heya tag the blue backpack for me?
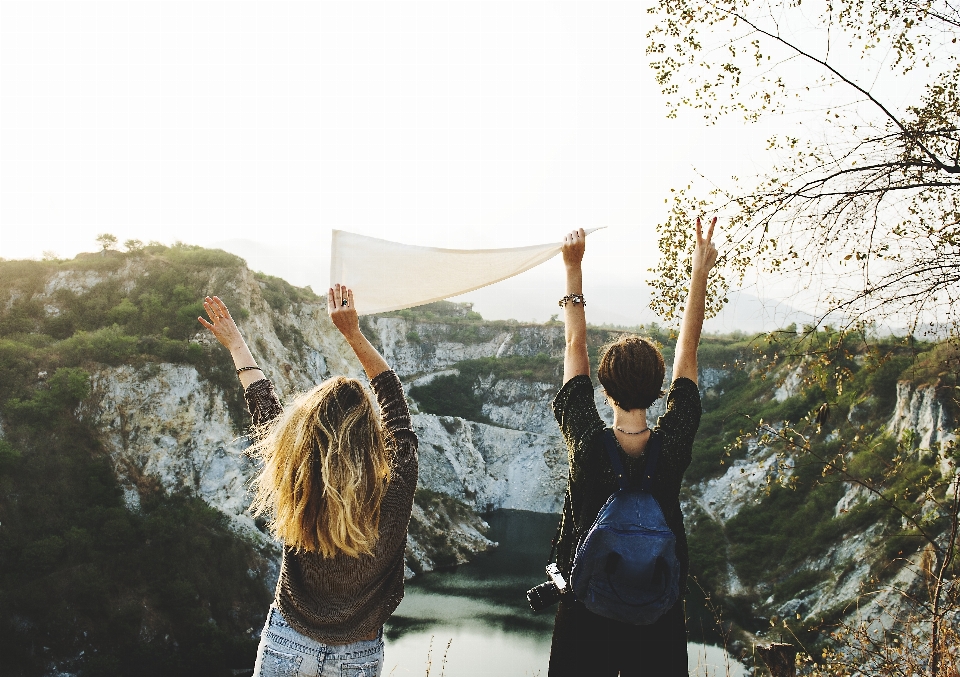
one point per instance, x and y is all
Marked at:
(626, 567)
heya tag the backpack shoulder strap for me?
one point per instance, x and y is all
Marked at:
(650, 469)
(611, 444)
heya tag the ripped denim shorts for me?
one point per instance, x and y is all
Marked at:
(284, 652)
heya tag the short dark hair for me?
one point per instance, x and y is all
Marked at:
(631, 371)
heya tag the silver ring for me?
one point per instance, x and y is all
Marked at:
(344, 302)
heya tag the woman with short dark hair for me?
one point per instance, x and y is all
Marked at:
(631, 371)
(337, 484)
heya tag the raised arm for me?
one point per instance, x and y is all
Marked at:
(226, 331)
(704, 258)
(575, 359)
(344, 315)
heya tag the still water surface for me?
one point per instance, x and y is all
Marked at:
(475, 620)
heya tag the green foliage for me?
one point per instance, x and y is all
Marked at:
(106, 241)
(21, 318)
(895, 550)
(937, 366)
(168, 589)
(802, 217)
(431, 500)
(9, 456)
(192, 256)
(25, 278)
(799, 582)
(460, 395)
(448, 321)
(882, 383)
(108, 345)
(708, 550)
(718, 353)
(443, 512)
(64, 390)
(107, 322)
(438, 311)
(785, 528)
(165, 590)
(539, 368)
(450, 395)
(280, 294)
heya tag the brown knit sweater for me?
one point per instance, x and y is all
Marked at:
(344, 599)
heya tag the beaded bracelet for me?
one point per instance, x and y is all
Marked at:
(245, 369)
(577, 299)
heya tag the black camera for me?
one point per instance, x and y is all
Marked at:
(547, 594)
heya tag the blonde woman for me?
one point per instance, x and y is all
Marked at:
(337, 482)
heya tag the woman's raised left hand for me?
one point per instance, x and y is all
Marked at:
(221, 323)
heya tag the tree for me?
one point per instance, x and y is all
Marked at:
(133, 246)
(865, 199)
(106, 241)
(868, 197)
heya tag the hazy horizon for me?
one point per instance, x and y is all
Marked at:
(451, 124)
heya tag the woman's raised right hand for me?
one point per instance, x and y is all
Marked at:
(342, 311)
(574, 244)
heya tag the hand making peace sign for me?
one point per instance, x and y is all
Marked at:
(705, 253)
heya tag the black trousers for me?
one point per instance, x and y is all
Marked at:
(587, 644)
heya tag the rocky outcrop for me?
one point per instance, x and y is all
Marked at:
(488, 467)
(519, 405)
(743, 483)
(924, 413)
(163, 423)
(790, 385)
(414, 348)
(443, 533)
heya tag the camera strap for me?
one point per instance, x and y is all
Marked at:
(563, 516)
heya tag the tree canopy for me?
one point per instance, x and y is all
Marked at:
(865, 195)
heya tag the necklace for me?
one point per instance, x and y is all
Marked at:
(638, 432)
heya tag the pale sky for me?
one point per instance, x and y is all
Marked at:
(449, 123)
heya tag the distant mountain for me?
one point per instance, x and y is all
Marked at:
(302, 268)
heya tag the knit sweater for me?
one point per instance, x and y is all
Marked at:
(344, 599)
(592, 480)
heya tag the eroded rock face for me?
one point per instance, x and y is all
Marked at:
(520, 405)
(163, 422)
(415, 348)
(924, 412)
(743, 483)
(489, 467)
(443, 533)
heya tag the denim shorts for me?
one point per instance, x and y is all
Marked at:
(284, 652)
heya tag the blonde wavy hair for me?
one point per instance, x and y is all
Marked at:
(325, 471)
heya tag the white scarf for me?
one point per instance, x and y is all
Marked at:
(388, 275)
